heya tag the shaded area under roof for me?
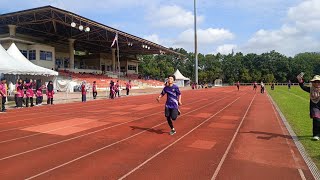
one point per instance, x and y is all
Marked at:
(53, 26)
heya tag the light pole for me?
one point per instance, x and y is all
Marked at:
(195, 43)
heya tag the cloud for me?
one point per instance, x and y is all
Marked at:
(172, 16)
(154, 38)
(225, 49)
(206, 38)
(287, 40)
(296, 35)
(306, 15)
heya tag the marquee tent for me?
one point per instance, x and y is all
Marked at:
(181, 81)
(32, 68)
(9, 65)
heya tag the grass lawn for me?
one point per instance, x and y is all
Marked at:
(294, 104)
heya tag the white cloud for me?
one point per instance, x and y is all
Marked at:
(172, 16)
(265, 6)
(207, 39)
(295, 36)
(288, 41)
(154, 38)
(225, 49)
(205, 36)
(306, 15)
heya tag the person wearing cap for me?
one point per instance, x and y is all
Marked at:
(3, 94)
(314, 91)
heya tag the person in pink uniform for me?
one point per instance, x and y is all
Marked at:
(117, 88)
(29, 92)
(39, 93)
(3, 94)
(128, 87)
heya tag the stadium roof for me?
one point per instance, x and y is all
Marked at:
(53, 26)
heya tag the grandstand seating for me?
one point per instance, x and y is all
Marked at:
(104, 80)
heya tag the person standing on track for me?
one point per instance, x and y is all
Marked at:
(3, 94)
(238, 85)
(83, 92)
(50, 93)
(262, 87)
(112, 90)
(94, 90)
(255, 86)
(128, 87)
(39, 94)
(314, 91)
(20, 93)
(172, 103)
(29, 92)
(117, 88)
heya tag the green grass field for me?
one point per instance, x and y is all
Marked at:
(294, 104)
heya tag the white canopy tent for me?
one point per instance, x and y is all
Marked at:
(9, 65)
(181, 81)
(32, 68)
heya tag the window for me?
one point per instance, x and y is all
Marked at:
(46, 55)
(32, 54)
(25, 53)
(132, 67)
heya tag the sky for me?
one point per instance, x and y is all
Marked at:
(286, 26)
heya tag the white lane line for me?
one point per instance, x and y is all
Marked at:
(66, 107)
(32, 135)
(231, 142)
(77, 137)
(81, 157)
(292, 152)
(145, 162)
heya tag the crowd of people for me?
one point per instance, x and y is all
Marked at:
(114, 88)
(28, 90)
(25, 91)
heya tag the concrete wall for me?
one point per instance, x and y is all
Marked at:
(134, 64)
(44, 63)
(106, 59)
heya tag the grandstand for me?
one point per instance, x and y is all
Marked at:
(104, 80)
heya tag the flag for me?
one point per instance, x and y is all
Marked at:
(115, 39)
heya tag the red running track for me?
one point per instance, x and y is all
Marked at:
(221, 134)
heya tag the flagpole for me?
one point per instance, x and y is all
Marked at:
(118, 55)
(195, 43)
